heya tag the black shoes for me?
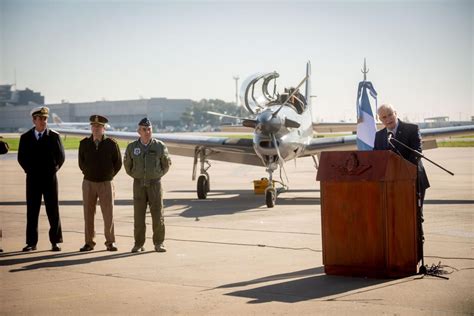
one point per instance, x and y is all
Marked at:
(111, 247)
(54, 247)
(137, 248)
(86, 247)
(160, 248)
(29, 248)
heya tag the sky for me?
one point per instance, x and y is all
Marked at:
(419, 53)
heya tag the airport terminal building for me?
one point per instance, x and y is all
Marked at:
(164, 113)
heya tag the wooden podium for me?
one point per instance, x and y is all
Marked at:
(368, 214)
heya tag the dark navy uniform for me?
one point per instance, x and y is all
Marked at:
(41, 159)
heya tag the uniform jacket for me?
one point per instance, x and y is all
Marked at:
(101, 163)
(408, 134)
(41, 157)
(147, 162)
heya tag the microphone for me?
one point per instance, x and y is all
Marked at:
(389, 141)
(389, 137)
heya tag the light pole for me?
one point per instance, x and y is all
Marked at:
(236, 78)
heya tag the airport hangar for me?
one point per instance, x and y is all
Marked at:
(122, 114)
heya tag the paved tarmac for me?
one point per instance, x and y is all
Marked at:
(229, 254)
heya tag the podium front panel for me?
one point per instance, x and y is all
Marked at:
(353, 233)
(368, 214)
(401, 228)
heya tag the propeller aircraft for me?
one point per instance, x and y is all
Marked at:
(283, 131)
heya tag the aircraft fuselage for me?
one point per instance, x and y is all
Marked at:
(291, 141)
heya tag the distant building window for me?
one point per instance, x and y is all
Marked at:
(437, 119)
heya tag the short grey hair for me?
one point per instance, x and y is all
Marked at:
(385, 107)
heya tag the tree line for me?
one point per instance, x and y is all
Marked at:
(196, 115)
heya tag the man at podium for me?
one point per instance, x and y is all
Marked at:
(389, 138)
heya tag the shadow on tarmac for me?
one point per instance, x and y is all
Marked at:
(235, 202)
(32, 256)
(314, 285)
(241, 194)
(64, 263)
(217, 203)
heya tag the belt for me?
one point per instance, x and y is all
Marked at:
(148, 182)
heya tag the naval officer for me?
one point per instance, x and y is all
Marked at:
(41, 155)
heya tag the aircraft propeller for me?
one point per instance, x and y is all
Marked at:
(264, 119)
(280, 158)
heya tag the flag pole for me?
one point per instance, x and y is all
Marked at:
(365, 70)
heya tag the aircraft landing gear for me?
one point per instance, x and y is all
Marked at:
(271, 192)
(203, 183)
(202, 187)
(270, 196)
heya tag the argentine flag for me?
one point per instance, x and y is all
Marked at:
(366, 127)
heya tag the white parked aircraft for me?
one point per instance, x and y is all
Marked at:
(283, 130)
(59, 124)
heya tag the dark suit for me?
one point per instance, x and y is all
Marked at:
(41, 159)
(408, 134)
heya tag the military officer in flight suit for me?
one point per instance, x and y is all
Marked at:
(147, 161)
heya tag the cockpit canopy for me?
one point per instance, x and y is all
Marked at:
(256, 94)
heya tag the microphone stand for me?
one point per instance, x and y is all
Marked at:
(423, 270)
(418, 154)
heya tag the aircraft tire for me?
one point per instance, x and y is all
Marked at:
(202, 187)
(270, 198)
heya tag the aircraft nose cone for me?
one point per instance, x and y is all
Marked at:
(268, 123)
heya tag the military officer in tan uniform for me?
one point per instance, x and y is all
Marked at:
(100, 160)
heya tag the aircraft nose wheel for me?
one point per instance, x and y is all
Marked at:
(202, 187)
(270, 197)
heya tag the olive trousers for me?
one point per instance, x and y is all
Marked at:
(144, 194)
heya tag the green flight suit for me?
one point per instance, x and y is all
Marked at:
(146, 165)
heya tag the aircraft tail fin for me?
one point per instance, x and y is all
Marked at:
(57, 119)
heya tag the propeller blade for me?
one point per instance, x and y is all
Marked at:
(249, 123)
(280, 159)
(245, 122)
(291, 123)
(224, 115)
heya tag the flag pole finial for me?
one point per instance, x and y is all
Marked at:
(365, 70)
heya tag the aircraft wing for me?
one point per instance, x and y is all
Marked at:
(237, 150)
(330, 143)
(429, 136)
(240, 150)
